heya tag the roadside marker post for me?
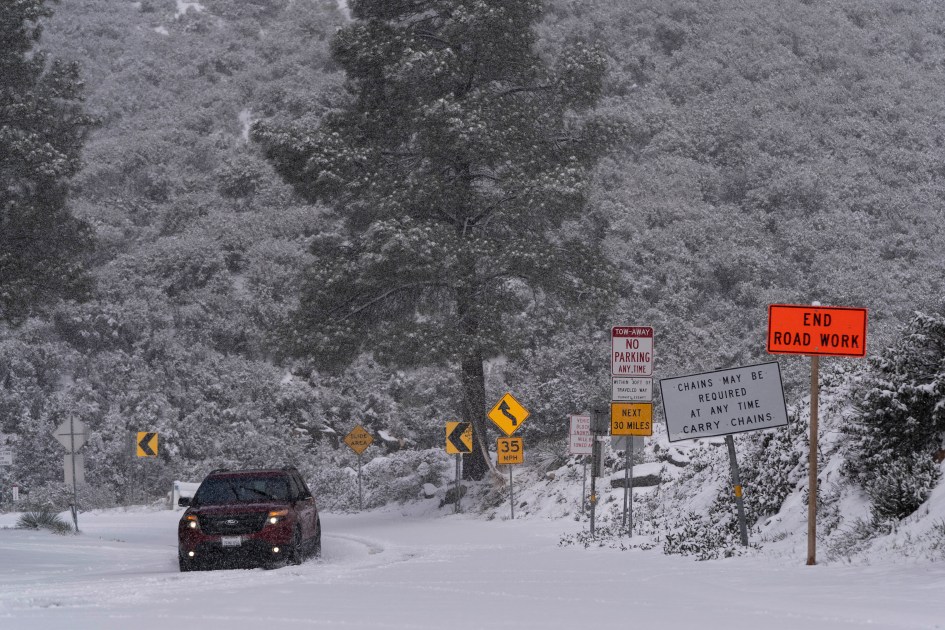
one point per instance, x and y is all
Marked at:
(599, 427)
(459, 440)
(630, 445)
(737, 484)
(358, 440)
(581, 442)
(816, 331)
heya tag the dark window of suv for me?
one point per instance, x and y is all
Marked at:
(242, 489)
(295, 492)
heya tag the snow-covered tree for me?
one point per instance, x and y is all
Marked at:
(458, 165)
(42, 130)
(901, 420)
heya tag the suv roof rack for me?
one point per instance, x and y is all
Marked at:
(216, 470)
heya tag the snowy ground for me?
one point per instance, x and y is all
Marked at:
(391, 569)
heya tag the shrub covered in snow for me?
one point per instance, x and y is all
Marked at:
(901, 420)
(44, 520)
(401, 476)
(899, 487)
(775, 463)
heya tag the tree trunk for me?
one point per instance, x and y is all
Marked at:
(477, 463)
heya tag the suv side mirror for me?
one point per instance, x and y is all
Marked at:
(183, 501)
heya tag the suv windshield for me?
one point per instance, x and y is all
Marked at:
(242, 490)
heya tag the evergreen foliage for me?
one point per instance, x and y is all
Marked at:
(459, 167)
(44, 520)
(900, 420)
(42, 131)
(774, 464)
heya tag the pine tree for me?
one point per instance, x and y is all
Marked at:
(42, 130)
(901, 420)
(457, 167)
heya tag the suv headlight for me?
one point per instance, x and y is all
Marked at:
(276, 515)
(190, 520)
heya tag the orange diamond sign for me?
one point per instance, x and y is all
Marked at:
(359, 439)
(508, 414)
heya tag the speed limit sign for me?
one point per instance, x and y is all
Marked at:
(510, 450)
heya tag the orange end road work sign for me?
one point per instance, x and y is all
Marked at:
(818, 330)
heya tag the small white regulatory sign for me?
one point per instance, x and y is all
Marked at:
(631, 350)
(749, 398)
(580, 440)
(632, 389)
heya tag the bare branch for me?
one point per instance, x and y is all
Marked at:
(386, 294)
(432, 37)
(524, 88)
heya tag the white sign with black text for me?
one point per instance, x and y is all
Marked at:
(631, 350)
(749, 398)
(580, 440)
(632, 389)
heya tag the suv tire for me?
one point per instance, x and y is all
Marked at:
(295, 554)
(317, 544)
(186, 564)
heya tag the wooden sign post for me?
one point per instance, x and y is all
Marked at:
(815, 331)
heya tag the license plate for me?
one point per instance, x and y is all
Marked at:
(231, 541)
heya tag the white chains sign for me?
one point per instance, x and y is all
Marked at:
(741, 399)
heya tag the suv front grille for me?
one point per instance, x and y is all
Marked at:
(233, 525)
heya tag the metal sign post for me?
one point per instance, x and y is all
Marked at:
(6, 457)
(459, 463)
(511, 498)
(627, 520)
(599, 426)
(630, 494)
(584, 486)
(594, 463)
(75, 493)
(630, 445)
(360, 496)
(737, 483)
(132, 465)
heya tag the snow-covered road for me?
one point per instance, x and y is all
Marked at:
(393, 570)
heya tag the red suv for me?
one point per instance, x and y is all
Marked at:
(249, 516)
